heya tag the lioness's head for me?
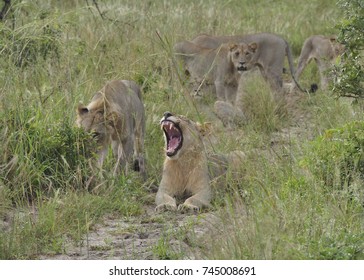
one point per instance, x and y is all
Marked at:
(242, 56)
(181, 135)
(338, 48)
(99, 120)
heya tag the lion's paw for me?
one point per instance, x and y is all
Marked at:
(186, 208)
(165, 207)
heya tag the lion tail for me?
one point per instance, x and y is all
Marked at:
(291, 67)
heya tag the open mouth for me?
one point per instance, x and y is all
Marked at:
(242, 68)
(174, 138)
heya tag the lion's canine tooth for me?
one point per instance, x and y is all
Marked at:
(170, 126)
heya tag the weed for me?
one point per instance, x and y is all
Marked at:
(337, 156)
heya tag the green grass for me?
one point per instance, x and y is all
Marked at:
(60, 52)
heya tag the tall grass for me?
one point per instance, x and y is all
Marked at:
(58, 53)
(287, 213)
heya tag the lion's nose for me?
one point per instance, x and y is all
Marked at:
(167, 115)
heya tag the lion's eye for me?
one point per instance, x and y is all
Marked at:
(236, 53)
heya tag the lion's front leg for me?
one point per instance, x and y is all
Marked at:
(197, 201)
(164, 201)
(220, 90)
(101, 156)
(323, 67)
(139, 161)
(120, 156)
(230, 93)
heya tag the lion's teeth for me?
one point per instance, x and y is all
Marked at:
(170, 126)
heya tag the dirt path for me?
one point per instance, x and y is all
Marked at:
(150, 236)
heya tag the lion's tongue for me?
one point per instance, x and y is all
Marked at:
(173, 144)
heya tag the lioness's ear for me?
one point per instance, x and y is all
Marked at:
(232, 46)
(81, 109)
(333, 39)
(205, 128)
(253, 46)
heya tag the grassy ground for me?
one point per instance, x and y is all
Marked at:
(301, 194)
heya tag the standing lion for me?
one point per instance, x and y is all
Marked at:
(116, 117)
(323, 50)
(219, 67)
(269, 54)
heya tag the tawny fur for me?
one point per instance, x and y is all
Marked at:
(323, 50)
(116, 117)
(186, 175)
(216, 68)
(269, 57)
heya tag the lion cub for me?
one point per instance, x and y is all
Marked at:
(116, 117)
(185, 171)
(221, 67)
(324, 50)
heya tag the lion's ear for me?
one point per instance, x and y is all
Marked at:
(205, 128)
(232, 46)
(253, 46)
(82, 109)
(333, 39)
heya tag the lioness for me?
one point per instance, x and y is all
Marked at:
(324, 50)
(220, 66)
(185, 171)
(268, 57)
(115, 117)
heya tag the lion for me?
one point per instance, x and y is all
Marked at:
(221, 67)
(269, 55)
(116, 117)
(186, 177)
(324, 50)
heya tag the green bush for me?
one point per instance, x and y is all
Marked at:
(342, 246)
(350, 73)
(26, 45)
(39, 157)
(338, 155)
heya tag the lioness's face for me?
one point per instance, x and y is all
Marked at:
(339, 49)
(180, 134)
(94, 121)
(242, 56)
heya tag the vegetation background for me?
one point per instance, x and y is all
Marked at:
(300, 195)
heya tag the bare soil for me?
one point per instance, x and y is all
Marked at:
(149, 236)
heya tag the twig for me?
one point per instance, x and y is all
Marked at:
(351, 96)
(97, 7)
(102, 15)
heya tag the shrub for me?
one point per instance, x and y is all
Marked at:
(350, 74)
(338, 155)
(39, 157)
(26, 45)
